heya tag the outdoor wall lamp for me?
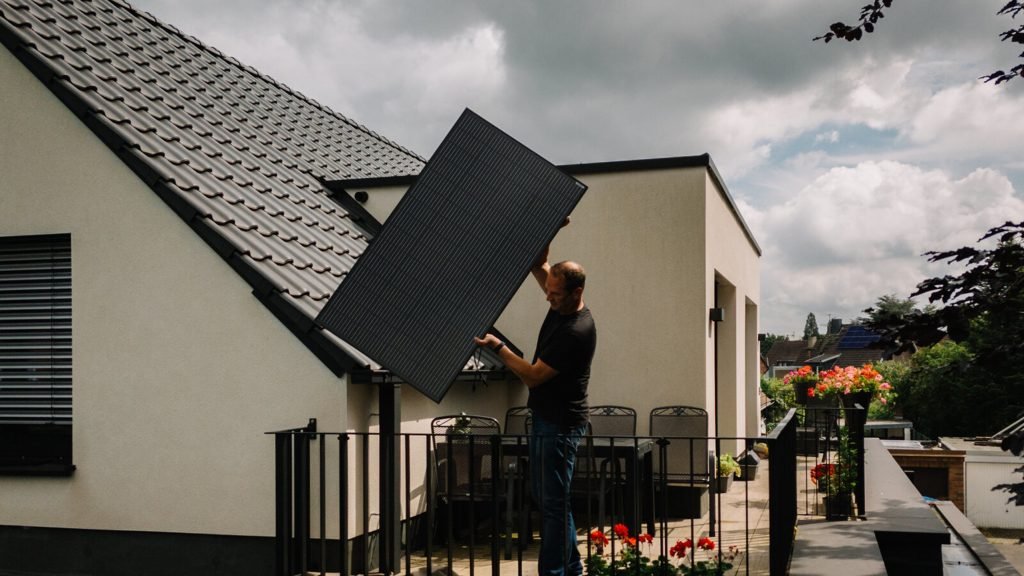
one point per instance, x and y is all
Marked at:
(717, 314)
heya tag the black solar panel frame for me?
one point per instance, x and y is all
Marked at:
(452, 255)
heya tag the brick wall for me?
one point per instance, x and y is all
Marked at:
(952, 461)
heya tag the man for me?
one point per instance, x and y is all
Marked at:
(557, 379)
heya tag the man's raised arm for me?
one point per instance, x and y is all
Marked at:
(541, 267)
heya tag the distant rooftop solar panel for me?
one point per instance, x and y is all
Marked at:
(451, 255)
(857, 337)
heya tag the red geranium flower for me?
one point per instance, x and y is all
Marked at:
(645, 538)
(630, 542)
(822, 470)
(680, 548)
(621, 531)
(706, 543)
(598, 537)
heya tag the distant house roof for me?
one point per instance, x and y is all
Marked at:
(853, 345)
(238, 156)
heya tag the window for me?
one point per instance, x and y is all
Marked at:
(35, 354)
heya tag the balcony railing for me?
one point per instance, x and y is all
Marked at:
(332, 514)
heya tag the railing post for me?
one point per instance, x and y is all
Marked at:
(390, 493)
(343, 567)
(496, 464)
(857, 436)
(782, 487)
(283, 510)
(300, 550)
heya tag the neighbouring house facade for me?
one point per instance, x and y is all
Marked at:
(843, 345)
(185, 196)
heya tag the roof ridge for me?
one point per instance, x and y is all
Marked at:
(153, 20)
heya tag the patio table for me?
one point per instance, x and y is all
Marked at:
(636, 453)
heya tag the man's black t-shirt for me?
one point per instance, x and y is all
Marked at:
(566, 343)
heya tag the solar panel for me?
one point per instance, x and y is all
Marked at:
(451, 255)
(857, 337)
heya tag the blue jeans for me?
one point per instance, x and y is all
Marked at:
(552, 459)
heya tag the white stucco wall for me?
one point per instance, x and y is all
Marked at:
(733, 261)
(987, 508)
(640, 236)
(177, 369)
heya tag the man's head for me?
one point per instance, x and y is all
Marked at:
(564, 287)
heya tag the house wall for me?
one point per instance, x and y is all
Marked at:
(177, 369)
(638, 234)
(733, 262)
(988, 508)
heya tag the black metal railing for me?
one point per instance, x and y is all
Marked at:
(782, 491)
(324, 479)
(820, 436)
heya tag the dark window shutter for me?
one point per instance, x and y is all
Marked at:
(35, 330)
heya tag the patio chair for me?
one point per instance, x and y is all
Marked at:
(684, 467)
(612, 421)
(595, 480)
(463, 459)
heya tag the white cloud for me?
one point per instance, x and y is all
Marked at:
(743, 132)
(857, 233)
(972, 119)
(831, 137)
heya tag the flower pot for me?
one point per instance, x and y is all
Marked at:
(722, 484)
(800, 390)
(838, 507)
(749, 464)
(850, 400)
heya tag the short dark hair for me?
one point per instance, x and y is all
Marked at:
(571, 273)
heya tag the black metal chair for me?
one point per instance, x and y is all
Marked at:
(593, 480)
(464, 455)
(682, 464)
(517, 421)
(612, 421)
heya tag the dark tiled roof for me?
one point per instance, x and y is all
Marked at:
(796, 352)
(788, 352)
(241, 158)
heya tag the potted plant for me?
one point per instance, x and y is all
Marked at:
(727, 468)
(714, 564)
(854, 385)
(802, 380)
(837, 479)
(629, 558)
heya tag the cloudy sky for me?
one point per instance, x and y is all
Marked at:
(848, 161)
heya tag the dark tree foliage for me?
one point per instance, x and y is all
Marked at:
(811, 327)
(983, 309)
(870, 14)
